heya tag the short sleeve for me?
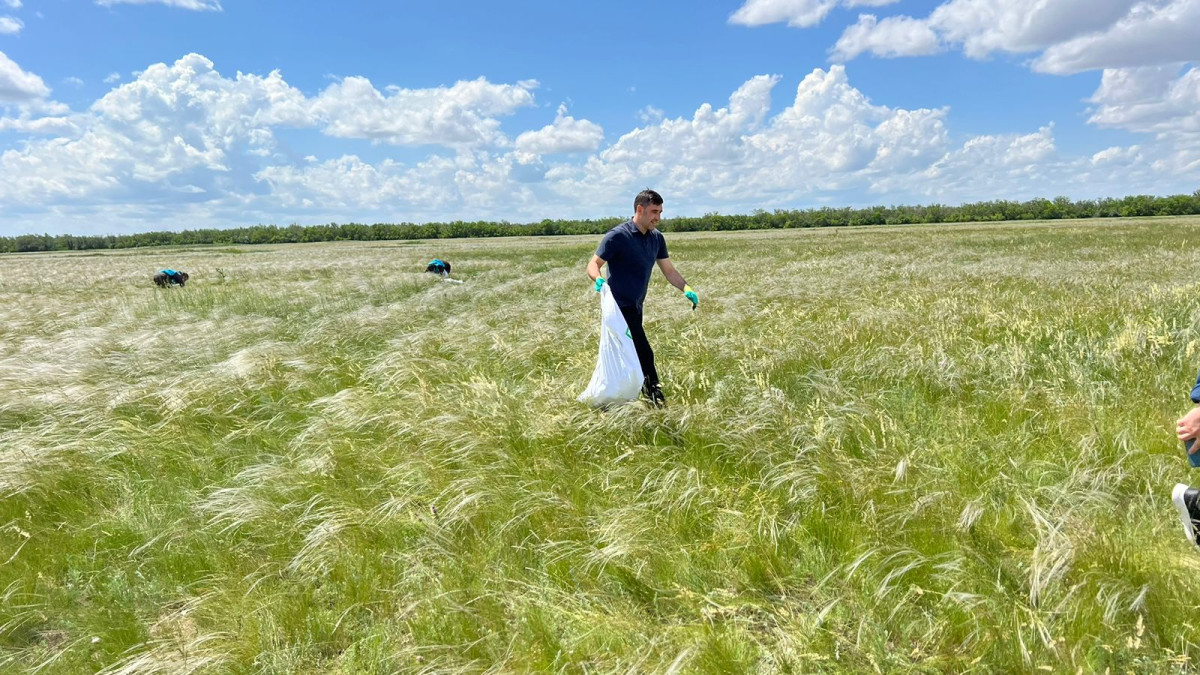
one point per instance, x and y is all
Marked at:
(662, 246)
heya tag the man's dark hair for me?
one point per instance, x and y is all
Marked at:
(646, 198)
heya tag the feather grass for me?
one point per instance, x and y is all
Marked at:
(935, 449)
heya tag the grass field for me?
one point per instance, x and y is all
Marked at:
(938, 449)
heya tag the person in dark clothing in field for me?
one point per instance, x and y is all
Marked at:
(631, 250)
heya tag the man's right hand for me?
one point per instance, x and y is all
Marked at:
(1188, 427)
(599, 283)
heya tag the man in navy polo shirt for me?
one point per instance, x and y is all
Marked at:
(631, 250)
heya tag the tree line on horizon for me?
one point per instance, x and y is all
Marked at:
(988, 211)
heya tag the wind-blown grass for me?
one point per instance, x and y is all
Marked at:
(939, 449)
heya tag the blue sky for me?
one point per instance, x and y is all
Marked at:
(122, 116)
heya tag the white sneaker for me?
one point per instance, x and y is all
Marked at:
(1187, 500)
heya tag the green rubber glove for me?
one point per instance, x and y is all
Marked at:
(691, 295)
(599, 283)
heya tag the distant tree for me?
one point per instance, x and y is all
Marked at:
(826, 216)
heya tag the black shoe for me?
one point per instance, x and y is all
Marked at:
(653, 392)
(1187, 500)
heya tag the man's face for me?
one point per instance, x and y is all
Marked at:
(648, 216)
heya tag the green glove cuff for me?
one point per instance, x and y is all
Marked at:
(599, 283)
(691, 295)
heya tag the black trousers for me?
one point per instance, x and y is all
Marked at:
(633, 317)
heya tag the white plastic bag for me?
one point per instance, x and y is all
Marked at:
(618, 374)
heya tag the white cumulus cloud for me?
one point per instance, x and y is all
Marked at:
(830, 137)
(1154, 100)
(566, 134)
(982, 27)
(40, 125)
(1144, 47)
(1013, 166)
(183, 145)
(460, 115)
(1116, 154)
(184, 131)
(18, 86)
(470, 185)
(1149, 34)
(175, 129)
(892, 37)
(1068, 36)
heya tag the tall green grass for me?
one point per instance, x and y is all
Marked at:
(936, 449)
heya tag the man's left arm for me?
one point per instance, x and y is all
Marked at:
(672, 274)
(676, 279)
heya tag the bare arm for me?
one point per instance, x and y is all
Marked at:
(593, 267)
(672, 275)
(1188, 426)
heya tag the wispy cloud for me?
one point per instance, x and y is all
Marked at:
(800, 13)
(10, 25)
(650, 115)
(196, 5)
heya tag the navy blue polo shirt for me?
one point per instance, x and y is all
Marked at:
(631, 256)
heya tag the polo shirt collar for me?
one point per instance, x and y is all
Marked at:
(634, 228)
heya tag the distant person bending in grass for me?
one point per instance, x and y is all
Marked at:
(170, 278)
(1186, 498)
(442, 269)
(438, 267)
(631, 250)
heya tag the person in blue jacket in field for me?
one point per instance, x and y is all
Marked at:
(631, 250)
(1185, 497)
(439, 267)
(170, 278)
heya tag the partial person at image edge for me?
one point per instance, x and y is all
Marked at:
(631, 250)
(1187, 498)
